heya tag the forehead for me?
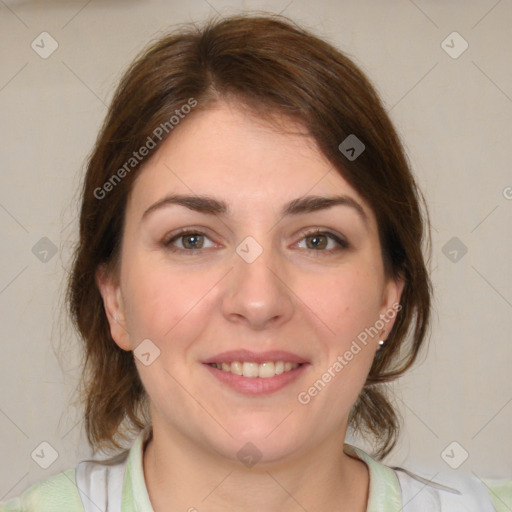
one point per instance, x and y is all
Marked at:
(226, 153)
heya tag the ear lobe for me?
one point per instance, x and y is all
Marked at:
(113, 304)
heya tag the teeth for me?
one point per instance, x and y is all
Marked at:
(266, 370)
(236, 368)
(253, 370)
(250, 369)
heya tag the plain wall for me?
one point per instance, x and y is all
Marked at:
(454, 115)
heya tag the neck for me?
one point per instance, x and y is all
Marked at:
(180, 475)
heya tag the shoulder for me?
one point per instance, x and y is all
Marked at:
(54, 494)
(455, 492)
(102, 480)
(501, 493)
(445, 491)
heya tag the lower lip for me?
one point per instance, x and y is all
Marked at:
(257, 385)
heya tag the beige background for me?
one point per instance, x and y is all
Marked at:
(455, 118)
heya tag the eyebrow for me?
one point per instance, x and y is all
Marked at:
(211, 206)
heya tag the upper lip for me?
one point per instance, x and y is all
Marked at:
(256, 357)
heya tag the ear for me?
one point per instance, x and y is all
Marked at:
(391, 302)
(113, 303)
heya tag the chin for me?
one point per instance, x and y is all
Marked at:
(269, 436)
(251, 451)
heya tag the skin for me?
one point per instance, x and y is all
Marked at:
(295, 296)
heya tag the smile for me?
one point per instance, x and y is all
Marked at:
(256, 370)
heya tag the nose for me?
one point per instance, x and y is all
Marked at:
(258, 293)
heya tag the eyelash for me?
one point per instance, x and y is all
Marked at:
(342, 244)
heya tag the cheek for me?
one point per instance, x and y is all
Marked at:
(346, 301)
(162, 301)
(347, 304)
(171, 308)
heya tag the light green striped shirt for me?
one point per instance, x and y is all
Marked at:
(60, 494)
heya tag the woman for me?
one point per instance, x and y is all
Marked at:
(248, 277)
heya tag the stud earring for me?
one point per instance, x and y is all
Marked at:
(381, 342)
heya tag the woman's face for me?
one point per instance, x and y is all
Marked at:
(250, 282)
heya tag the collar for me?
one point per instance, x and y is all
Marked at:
(384, 492)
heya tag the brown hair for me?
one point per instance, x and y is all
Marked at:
(269, 65)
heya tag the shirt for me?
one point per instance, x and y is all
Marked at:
(59, 493)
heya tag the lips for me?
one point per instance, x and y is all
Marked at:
(256, 373)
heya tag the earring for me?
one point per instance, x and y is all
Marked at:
(381, 342)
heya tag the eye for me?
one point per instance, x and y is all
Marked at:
(319, 241)
(192, 240)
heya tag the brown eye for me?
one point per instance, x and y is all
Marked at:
(318, 241)
(190, 241)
